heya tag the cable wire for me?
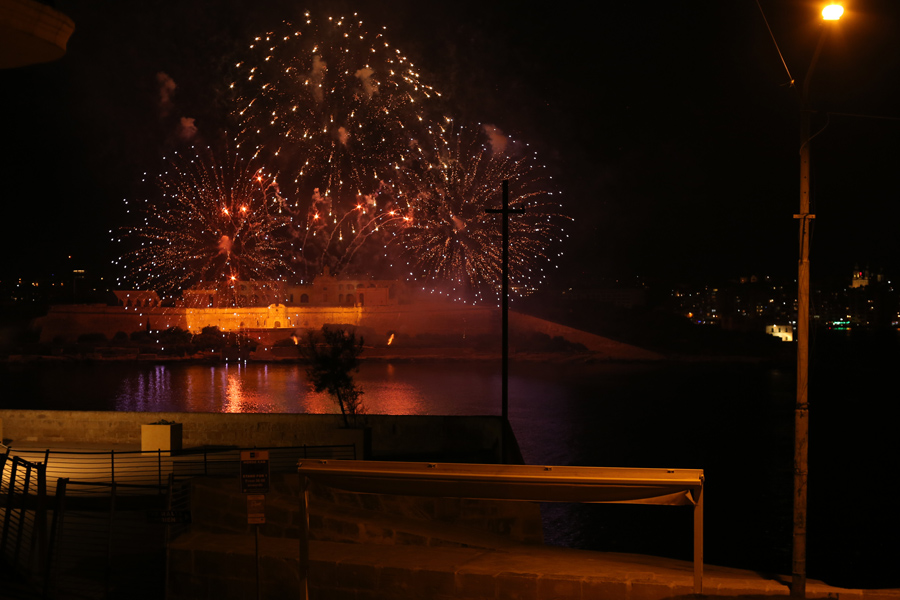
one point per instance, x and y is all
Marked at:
(781, 56)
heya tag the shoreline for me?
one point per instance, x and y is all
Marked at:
(380, 355)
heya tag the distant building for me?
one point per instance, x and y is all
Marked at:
(137, 299)
(268, 311)
(325, 290)
(864, 278)
(785, 332)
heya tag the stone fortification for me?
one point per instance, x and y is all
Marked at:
(67, 322)
(270, 324)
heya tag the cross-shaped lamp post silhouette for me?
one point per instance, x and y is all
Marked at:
(504, 278)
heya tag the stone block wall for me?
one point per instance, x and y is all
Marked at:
(199, 429)
(409, 437)
(68, 321)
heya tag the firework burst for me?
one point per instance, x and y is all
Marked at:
(333, 106)
(447, 236)
(211, 222)
(331, 102)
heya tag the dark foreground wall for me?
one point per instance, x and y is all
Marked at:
(410, 437)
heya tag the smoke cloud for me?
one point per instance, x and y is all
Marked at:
(322, 205)
(370, 86)
(225, 245)
(343, 135)
(166, 90)
(317, 77)
(496, 138)
(186, 129)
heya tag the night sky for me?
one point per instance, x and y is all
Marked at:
(671, 129)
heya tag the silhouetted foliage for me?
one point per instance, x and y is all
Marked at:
(175, 335)
(210, 338)
(91, 338)
(140, 336)
(333, 355)
(285, 343)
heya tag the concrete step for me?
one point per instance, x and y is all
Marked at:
(215, 566)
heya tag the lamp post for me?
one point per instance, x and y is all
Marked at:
(504, 392)
(832, 12)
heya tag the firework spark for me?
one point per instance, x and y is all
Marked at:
(211, 222)
(347, 122)
(333, 103)
(447, 236)
(336, 108)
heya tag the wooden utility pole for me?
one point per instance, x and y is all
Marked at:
(801, 408)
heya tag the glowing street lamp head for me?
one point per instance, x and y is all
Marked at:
(832, 12)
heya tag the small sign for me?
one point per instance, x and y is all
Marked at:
(256, 509)
(255, 471)
(169, 517)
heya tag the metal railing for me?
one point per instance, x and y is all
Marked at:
(77, 523)
(133, 471)
(103, 542)
(23, 515)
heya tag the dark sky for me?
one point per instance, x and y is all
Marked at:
(671, 128)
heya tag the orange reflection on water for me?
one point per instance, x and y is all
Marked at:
(394, 397)
(234, 392)
(319, 403)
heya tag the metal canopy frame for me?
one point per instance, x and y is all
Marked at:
(537, 483)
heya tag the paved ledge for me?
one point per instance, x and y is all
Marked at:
(203, 565)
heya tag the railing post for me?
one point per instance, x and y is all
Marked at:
(56, 525)
(159, 466)
(304, 537)
(112, 465)
(109, 540)
(167, 532)
(9, 503)
(22, 505)
(40, 516)
(698, 540)
(205, 472)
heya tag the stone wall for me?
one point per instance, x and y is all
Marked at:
(377, 323)
(447, 438)
(199, 429)
(69, 321)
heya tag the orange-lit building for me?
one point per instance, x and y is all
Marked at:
(325, 290)
(272, 310)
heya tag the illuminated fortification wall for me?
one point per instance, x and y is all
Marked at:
(383, 307)
(67, 322)
(375, 307)
(407, 319)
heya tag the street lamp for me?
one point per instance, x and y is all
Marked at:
(832, 12)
